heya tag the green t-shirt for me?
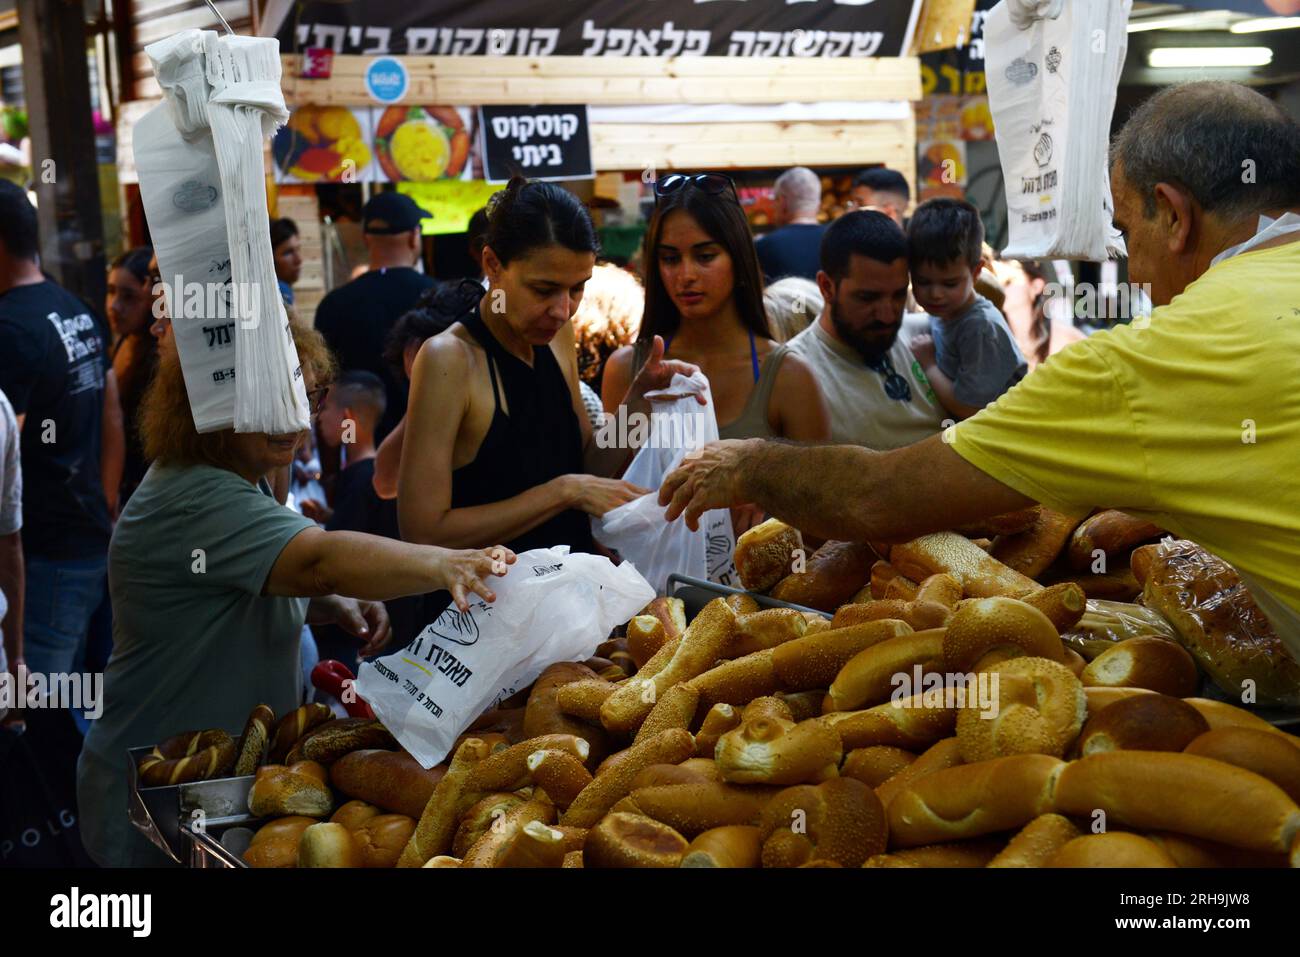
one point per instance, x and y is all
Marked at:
(196, 643)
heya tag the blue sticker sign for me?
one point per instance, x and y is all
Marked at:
(386, 79)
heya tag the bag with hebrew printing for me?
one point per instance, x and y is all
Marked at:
(637, 530)
(551, 605)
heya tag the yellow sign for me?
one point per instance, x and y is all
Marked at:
(451, 201)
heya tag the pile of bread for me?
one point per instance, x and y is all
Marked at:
(779, 738)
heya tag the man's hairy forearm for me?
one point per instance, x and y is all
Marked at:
(817, 489)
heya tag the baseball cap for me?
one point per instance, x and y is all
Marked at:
(388, 214)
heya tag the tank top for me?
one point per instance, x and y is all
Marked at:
(752, 423)
(538, 440)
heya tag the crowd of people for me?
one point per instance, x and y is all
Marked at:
(454, 425)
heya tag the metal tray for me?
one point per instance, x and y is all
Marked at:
(158, 812)
(695, 593)
(220, 845)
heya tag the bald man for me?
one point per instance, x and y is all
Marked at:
(794, 248)
(1190, 419)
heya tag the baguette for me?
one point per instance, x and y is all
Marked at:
(737, 845)
(1156, 664)
(940, 755)
(908, 724)
(1150, 722)
(839, 820)
(1037, 842)
(833, 574)
(437, 822)
(958, 854)
(1111, 849)
(561, 775)
(614, 780)
(1109, 531)
(1007, 523)
(738, 681)
(980, 574)
(507, 770)
(696, 807)
(768, 749)
(535, 844)
(972, 800)
(1159, 790)
(645, 636)
(882, 574)
(1064, 604)
(671, 613)
(814, 661)
(1267, 755)
(632, 840)
(1032, 551)
(720, 719)
(583, 698)
(766, 629)
(490, 849)
(703, 643)
(392, 780)
(676, 709)
(868, 678)
(875, 765)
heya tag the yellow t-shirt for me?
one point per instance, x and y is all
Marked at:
(1192, 421)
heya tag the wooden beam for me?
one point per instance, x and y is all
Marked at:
(619, 80)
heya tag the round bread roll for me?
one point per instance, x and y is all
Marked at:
(1112, 849)
(327, 845)
(380, 840)
(632, 840)
(354, 813)
(1147, 661)
(1148, 722)
(1268, 755)
(298, 789)
(276, 842)
(1040, 708)
(1075, 662)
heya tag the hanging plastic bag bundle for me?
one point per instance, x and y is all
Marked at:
(1053, 69)
(637, 530)
(200, 160)
(550, 606)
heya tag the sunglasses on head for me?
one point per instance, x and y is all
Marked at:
(715, 184)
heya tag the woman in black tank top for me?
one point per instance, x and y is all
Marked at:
(536, 474)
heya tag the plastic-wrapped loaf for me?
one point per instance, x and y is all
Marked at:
(199, 157)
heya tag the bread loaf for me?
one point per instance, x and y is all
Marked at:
(814, 660)
(614, 780)
(1008, 523)
(765, 553)
(276, 843)
(1150, 722)
(331, 740)
(938, 756)
(437, 822)
(833, 574)
(839, 820)
(355, 813)
(737, 845)
(1157, 790)
(699, 806)
(882, 575)
(1156, 664)
(491, 848)
(1217, 620)
(1110, 532)
(766, 629)
(380, 840)
(875, 765)
(972, 800)
(632, 840)
(868, 678)
(392, 780)
(542, 713)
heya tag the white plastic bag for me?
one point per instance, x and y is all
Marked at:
(1053, 69)
(637, 530)
(550, 606)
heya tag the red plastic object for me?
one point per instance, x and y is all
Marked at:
(335, 678)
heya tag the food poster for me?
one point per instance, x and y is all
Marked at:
(449, 202)
(422, 144)
(326, 144)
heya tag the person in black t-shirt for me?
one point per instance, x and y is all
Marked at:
(355, 318)
(795, 248)
(56, 374)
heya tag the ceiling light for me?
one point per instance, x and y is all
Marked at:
(1262, 24)
(1211, 19)
(1194, 57)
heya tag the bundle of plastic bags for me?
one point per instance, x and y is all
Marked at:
(199, 154)
(1053, 69)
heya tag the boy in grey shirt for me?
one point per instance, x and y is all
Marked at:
(970, 355)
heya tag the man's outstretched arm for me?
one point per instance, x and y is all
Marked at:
(843, 492)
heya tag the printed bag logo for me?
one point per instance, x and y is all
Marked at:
(1020, 71)
(194, 197)
(1053, 59)
(456, 625)
(1043, 150)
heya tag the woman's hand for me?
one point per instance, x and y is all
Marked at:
(366, 620)
(658, 372)
(596, 496)
(465, 571)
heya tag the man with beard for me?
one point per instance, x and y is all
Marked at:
(877, 393)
